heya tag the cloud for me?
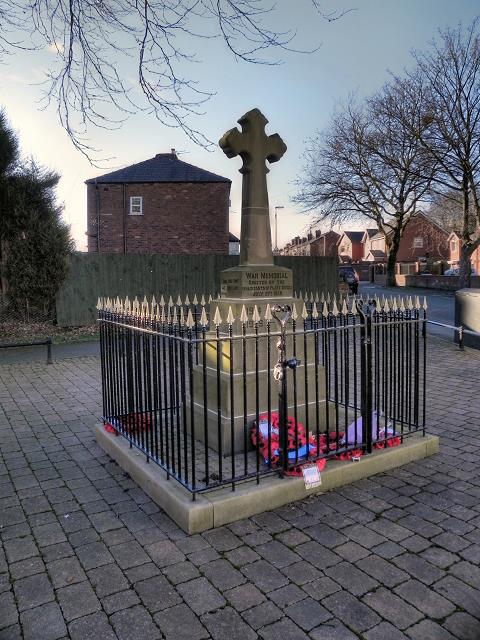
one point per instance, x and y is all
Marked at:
(33, 76)
(13, 77)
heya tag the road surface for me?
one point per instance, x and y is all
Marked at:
(441, 304)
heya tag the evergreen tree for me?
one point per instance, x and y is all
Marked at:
(35, 242)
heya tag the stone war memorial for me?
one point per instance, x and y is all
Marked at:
(221, 407)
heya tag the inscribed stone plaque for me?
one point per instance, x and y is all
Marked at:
(256, 282)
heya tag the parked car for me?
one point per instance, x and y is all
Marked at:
(455, 271)
(349, 276)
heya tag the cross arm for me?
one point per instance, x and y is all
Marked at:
(276, 147)
(232, 143)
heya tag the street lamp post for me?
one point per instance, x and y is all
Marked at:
(276, 227)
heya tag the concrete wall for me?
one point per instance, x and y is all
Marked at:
(92, 275)
(467, 315)
(447, 283)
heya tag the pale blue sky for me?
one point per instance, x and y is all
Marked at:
(297, 97)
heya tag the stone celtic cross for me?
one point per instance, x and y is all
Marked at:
(254, 146)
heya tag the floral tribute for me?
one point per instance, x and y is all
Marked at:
(300, 451)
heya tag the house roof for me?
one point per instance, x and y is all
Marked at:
(354, 236)
(369, 233)
(232, 238)
(376, 253)
(420, 214)
(332, 234)
(164, 167)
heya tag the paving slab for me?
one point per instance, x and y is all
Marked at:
(410, 535)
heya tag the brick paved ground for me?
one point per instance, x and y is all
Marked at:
(85, 554)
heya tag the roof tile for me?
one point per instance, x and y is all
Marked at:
(164, 167)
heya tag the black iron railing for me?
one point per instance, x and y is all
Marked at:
(219, 400)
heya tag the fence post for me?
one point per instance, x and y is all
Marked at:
(49, 351)
(365, 312)
(461, 338)
(280, 375)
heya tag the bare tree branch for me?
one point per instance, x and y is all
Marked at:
(364, 165)
(89, 38)
(444, 91)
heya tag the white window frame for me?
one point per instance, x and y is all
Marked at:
(418, 242)
(136, 208)
(453, 245)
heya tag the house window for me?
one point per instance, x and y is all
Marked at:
(407, 268)
(453, 245)
(136, 206)
(418, 243)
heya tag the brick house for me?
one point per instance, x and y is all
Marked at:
(324, 244)
(320, 244)
(297, 246)
(454, 245)
(161, 205)
(372, 240)
(374, 248)
(423, 239)
(350, 247)
(423, 242)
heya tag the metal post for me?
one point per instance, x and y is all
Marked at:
(365, 313)
(49, 351)
(461, 338)
(280, 375)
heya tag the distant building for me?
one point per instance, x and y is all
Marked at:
(324, 244)
(160, 205)
(233, 245)
(298, 246)
(367, 237)
(350, 247)
(318, 244)
(423, 240)
(374, 249)
(454, 246)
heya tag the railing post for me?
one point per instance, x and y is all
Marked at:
(280, 375)
(461, 338)
(49, 351)
(365, 313)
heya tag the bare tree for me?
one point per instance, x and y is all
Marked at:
(444, 90)
(447, 209)
(364, 166)
(92, 39)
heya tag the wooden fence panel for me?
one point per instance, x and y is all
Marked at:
(102, 274)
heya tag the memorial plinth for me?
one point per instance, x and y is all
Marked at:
(244, 391)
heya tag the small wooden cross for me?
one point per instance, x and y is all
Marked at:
(254, 147)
